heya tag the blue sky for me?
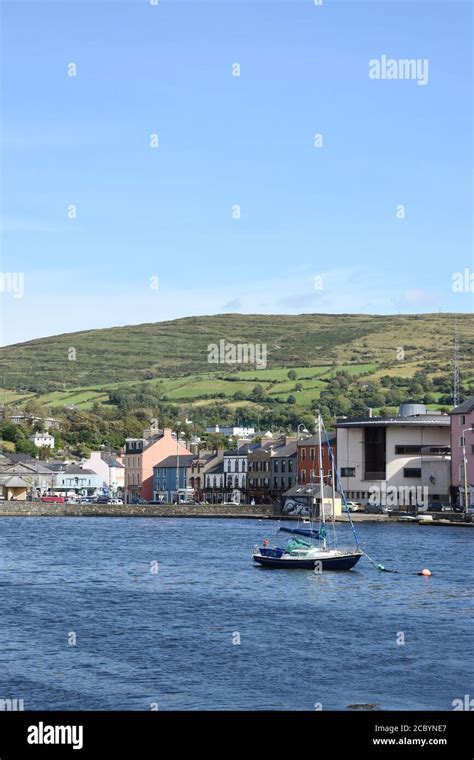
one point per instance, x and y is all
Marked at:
(306, 212)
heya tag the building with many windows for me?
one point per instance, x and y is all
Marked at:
(308, 459)
(139, 458)
(462, 447)
(407, 453)
(271, 470)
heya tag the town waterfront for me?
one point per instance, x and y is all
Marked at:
(171, 614)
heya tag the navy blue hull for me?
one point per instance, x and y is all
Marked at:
(332, 563)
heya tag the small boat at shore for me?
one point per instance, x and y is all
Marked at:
(310, 548)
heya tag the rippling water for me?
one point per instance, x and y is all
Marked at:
(167, 637)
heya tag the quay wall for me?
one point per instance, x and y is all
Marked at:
(254, 512)
(40, 509)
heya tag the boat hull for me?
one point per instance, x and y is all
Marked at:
(345, 562)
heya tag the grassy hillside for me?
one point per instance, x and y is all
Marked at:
(179, 347)
(170, 359)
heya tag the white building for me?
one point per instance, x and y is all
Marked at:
(402, 453)
(110, 469)
(232, 432)
(42, 440)
(75, 480)
(235, 467)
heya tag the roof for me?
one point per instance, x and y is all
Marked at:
(27, 458)
(276, 448)
(28, 467)
(13, 481)
(218, 469)
(431, 420)
(185, 460)
(110, 460)
(313, 440)
(284, 450)
(73, 469)
(466, 407)
(242, 450)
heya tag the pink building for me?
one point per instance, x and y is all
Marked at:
(141, 455)
(462, 418)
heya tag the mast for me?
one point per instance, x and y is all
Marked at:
(322, 519)
(333, 493)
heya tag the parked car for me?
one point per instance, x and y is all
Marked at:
(355, 506)
(115, 501)
(375, 509)
(52, 499)
(437, 506)
(139, 500)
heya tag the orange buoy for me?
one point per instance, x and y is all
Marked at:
(425, 572)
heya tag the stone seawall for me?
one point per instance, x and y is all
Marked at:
(40, 509)
(246, 511)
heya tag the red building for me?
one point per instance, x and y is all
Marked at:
(308, 459)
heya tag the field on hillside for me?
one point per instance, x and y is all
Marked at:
(172, 357)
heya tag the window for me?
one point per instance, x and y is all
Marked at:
(283, 465)
(463, 419)
(283, 482)
(410, 449)
(276, 466)
(311, 454)
(462, 441)
(303, 454)
(303, 476)
(412, 472)
(348, 472)
(275, 482)
(290, 465)
(311, 474)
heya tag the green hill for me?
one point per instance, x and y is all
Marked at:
(84, 368)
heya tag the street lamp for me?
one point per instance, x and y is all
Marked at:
(178, 423)
(177, 462)
(466, 430)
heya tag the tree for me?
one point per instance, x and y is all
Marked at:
(258, 393)
(292, 375)
(35, 409)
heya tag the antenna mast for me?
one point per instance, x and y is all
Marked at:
(455, 363)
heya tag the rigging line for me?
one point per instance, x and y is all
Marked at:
(341, 490)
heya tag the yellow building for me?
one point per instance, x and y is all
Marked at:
(13, 488)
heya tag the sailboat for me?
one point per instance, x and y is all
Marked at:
(311, 547)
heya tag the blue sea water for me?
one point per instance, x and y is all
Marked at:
(157, 608)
